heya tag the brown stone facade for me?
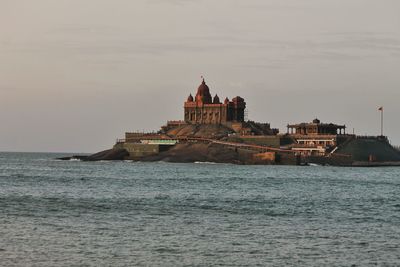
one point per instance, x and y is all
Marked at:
(204, 109)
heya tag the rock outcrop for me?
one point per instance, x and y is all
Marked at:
(110, 154)
(205, 131)
(370, 149)
(188, 153)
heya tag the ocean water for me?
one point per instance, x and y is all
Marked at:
(71, 213)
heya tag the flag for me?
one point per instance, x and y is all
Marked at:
(380, 109)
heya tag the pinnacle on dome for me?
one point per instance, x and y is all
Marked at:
(190, 98)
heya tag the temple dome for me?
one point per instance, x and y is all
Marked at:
(190, 98)
(226, 101)
(316, 121)
(203, 94)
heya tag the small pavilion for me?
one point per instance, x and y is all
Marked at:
(316, 128)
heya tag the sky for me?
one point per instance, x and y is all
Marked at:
(76, 75)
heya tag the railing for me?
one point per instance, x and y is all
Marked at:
(314, 136)
(310, 146)
(138, 133)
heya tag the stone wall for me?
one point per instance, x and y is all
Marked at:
(206, 114)
(137, 150)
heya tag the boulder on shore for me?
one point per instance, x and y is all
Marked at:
(110, 154)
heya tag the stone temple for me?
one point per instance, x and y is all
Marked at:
(206, 112)
(204, 109)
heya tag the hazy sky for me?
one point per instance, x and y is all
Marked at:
(75, 75)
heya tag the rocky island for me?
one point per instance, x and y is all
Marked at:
(218, 131)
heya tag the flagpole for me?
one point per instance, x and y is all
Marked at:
(382, 121)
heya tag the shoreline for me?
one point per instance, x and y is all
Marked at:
(356, 164)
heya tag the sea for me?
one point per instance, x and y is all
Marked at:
(122, 213)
